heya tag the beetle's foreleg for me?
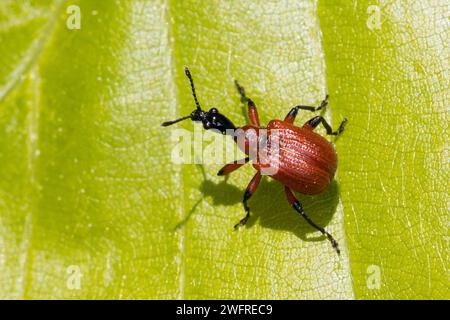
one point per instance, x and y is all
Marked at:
(251, 188)
(314, 122)
(299, 208)
(241, 91)
(232, 166)
(252, 111)
(290, 117)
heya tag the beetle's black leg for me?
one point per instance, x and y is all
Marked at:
(241, 91)
(247, 194)
(232, 166)
(299, 208)
(252, 111)
(314, 122)
(290, 117)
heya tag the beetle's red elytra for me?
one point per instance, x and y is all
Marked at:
(305, 161)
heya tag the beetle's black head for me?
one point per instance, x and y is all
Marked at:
(211, 119)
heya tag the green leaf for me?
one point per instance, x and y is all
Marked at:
(392, 83)
(92, 205)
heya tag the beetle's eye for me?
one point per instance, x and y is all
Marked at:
(214, 110)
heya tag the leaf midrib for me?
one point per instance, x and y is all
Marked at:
(329, 116)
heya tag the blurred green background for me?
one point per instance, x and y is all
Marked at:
(91, 205)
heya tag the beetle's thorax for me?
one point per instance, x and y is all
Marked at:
(246, 137)
(251, 140)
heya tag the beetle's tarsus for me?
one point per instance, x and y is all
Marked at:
(341, 126)
(241, 91)
(293, 113)
(334, 243)
(340, 129)
(314, 122)
(247, 194)
(323, 104)
(243, 221)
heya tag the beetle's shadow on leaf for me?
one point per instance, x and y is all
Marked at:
(270, 208)
(222, 193)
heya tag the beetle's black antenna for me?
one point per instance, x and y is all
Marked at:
(188, 74)
(169, 123)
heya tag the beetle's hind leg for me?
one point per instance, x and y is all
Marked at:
(299, 208)
(251, 188)
(290, 117)
(314, 122)
(252, 111)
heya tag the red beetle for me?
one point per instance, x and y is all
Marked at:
(299, 158)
